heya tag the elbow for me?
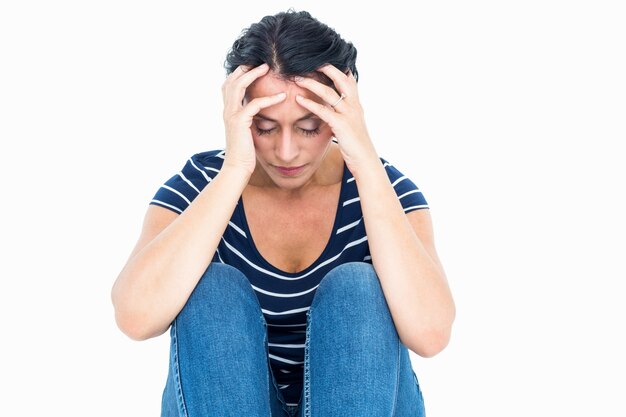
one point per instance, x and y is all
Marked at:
(430, 343)
(436, 346)
(437, 339)
(126, 325)
(137, 330)
(131, 328)
(132, 322)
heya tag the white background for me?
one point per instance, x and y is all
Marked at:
(508, 116)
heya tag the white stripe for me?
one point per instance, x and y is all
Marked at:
(206, 177)
(351, 225)
(176, 192)
(410, 192)
(258, 268)
(412, 207)
(212, 169)
(285, 346)
(281, 295)
(265, 271)
(354, 200)
(285, 372)
(399, 180)
(188, 182)
(278, 358)
(367, 258)
(234, 226)
(355, 242)
(168, 205)
(282, 313)
(350, 180)
(387, 164)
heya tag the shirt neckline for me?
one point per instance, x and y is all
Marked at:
(338, 212)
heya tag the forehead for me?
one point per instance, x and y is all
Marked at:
(270, 84)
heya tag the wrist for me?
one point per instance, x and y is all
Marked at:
(364, 164)
(236, 166)
(235, 171)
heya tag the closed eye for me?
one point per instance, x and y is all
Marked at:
(305, 132)
(312, 132)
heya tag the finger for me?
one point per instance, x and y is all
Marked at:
(245, 69)
(243, 82)
(228, 82)
(255, 106)
(324, 92)
(252, 74)
(324, 112)
(235, 91)
(238, 72)
(340, 79)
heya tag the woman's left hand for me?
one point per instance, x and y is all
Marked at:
(346, 119)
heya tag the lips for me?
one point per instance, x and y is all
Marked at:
(290, 171)
(290, 168)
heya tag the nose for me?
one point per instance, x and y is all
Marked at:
(286, 148)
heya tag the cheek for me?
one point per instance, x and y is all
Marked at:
(322, 145)
(325, 137)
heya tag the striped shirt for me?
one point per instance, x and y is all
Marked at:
(284, 297)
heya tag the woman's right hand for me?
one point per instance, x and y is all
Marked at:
(240, 151)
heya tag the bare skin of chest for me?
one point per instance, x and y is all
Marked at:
(291, 235)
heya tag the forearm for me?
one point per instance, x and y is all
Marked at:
(155, 284)
(415, 288)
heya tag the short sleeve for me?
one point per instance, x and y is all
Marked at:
(410, 196)
(182, 188)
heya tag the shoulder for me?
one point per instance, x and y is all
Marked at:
(177, 192)
(209, 160)
(393, 172)
(203, 165)
(409, 194)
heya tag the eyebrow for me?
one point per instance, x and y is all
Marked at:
(309, 115)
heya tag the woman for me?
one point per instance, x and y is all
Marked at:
(256, 258)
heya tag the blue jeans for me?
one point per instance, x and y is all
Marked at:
(355, 364)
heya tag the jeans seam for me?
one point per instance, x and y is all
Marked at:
(271, 384)
(307, 386)
(179, 390)
(269, 379)
(395, 397)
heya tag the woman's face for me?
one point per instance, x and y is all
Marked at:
(286, 134)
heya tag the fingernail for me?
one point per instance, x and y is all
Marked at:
(281, 95)
(298, 79)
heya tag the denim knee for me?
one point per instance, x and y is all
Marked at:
(222, 274)
(351, 282)
(221, 285)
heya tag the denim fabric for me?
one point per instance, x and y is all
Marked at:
(355, 364)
